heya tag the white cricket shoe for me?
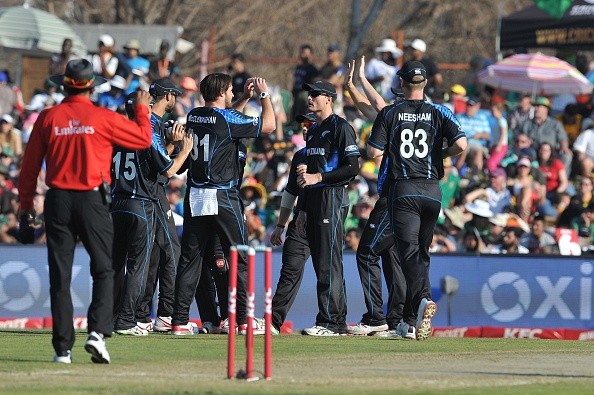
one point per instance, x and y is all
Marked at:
(162, 324)
(63, 357)
(95, 346)
(317, 330)
(364, 329)
(134, 331)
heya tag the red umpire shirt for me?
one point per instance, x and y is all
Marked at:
(76, 138)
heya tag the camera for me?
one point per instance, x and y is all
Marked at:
(168, 128)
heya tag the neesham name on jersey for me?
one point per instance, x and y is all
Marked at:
(426, 116)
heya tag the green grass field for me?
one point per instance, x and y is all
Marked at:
(301, 365)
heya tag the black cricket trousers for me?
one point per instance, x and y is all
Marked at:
(326, 210)
(295, 254)
(163, 263)
(414, 209)
(68, 215)
(134, 233)
(377, 241)
(230, 227)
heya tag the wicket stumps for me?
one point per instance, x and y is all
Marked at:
(250, 311)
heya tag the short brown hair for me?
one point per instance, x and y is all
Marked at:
(214, 85)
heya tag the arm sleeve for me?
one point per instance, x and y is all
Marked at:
(346, 171)
(32, 160)
(130, 134)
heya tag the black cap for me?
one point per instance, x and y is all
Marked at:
(473, 100)
(78, 75)
(130, 104)
(163, 86)
(334, 48)
(309, 117)
(410, 69)
(323, 87)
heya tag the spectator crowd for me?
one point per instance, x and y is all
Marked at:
(524, 185)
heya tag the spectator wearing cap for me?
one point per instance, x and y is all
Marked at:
(418, 50)
(454, 222)
(163, 66)
(481, 212)
(305, 73)
(584, 226)
(497, 194)
(381, 70)
(477, 127)
(187, 100)
(139, 67)
(105, 63)
(332, 162)
(334, 70)
(457, 101)
(584, 149)
(510, 244)
(239, 74)
(48, 96)
(542, 128)
(76, 138)
(10, 137)
(114, 99)
(538, 241)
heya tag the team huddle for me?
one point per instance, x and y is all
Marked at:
(130, 234)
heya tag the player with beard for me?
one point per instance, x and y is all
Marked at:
(212, 200)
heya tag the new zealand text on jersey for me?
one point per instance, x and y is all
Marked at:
(316, 151)
(426, 116)
(199, 119)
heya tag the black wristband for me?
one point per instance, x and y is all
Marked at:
(280, 226)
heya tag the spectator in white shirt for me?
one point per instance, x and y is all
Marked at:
(584, 147)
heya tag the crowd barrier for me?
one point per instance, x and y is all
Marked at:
(494, 291)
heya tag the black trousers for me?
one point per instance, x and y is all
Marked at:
(230, 227)
(326, 210)
(295, 254)
(377, 241)
(212, 294)
(134, 233)
(414, 210)
(68, 215)
(163, 263)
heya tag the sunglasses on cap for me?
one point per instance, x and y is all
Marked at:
(307, 124)
(316, 93)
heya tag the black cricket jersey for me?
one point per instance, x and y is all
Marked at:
(329, 144)
(213, 162)
(412, 133)
(299, 158)
(135, 174)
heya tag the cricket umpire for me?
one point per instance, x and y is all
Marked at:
(412, 134)
(332, 161)
(75, 139)
(212, 200)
